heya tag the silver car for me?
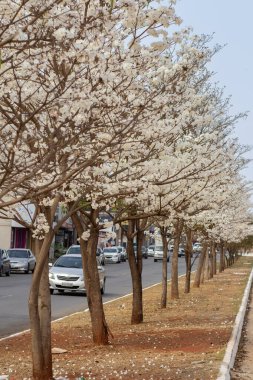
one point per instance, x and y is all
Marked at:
(123, 253)
(158, 253)
(67, 275)
(112, 255)
(21, 260)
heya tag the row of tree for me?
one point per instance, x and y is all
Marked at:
(110, 106)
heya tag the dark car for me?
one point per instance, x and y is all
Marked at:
(5, 265)
(144, 251)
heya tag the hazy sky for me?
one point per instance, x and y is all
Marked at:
(231, 21)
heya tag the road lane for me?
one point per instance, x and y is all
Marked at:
(14, 291)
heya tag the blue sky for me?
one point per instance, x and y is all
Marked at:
(231, 21)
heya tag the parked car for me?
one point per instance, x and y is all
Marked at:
(123, 253)
(112, 255)
(181, 251)
(158, 253)
(22, 260)
(196, 248)
(144, 252)
(151, 249)
(100, 255)
(5, 265)
(66, 274)
(74, 249)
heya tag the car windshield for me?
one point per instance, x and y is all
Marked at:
(69, 262)
(120, 249)
(18, 253)
(110, 250)
(159, 248)
(73, 250)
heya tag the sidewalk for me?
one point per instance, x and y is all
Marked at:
(243, 369)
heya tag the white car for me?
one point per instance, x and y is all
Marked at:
(122, 252)
(112, 255)
(67, 275)
(76, 249)
(158, 253)
(151, 250)
(196, 247)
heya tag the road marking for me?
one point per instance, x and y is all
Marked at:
(8, 295)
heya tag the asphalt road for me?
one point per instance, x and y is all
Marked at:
(14, 292)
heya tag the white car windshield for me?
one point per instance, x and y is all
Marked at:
(110, 250)
(73, 250)
(69, 262)
(18, 253)
(159, 248)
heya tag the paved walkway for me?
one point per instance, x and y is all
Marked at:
(244, 362)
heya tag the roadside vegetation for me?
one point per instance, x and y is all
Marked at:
(110, 107)
(186, 340)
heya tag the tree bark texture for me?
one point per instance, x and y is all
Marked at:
(212, 253)
(136, 276)
(164, 231)
(214, 259)
(222, 259)
(188, 255)
(207, 265)
(174, 265)
(202, 276)
(40, 313)
(100, 329)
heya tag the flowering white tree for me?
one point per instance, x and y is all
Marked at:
(73, 97)
(100, 104)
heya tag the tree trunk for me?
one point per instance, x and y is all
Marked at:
(214, 259)
(188, 255)
(207, 265)
(136, 275)
(222, 259)
(100, 329)
(45, 319)
(164, 231)
(200, 266)
(202, 276)
(174, 267)
(212, 252)
(40, 313)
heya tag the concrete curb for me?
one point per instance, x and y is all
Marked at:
(232, 346)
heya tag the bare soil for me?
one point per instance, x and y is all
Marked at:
(187, 340)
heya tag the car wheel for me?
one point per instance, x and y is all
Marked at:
(60, 290)
(28, 270)
(51, 291)
(8, 273)
(1, 272)
(168, 259)
(34, 268)
(155, 261)
(103, 288)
